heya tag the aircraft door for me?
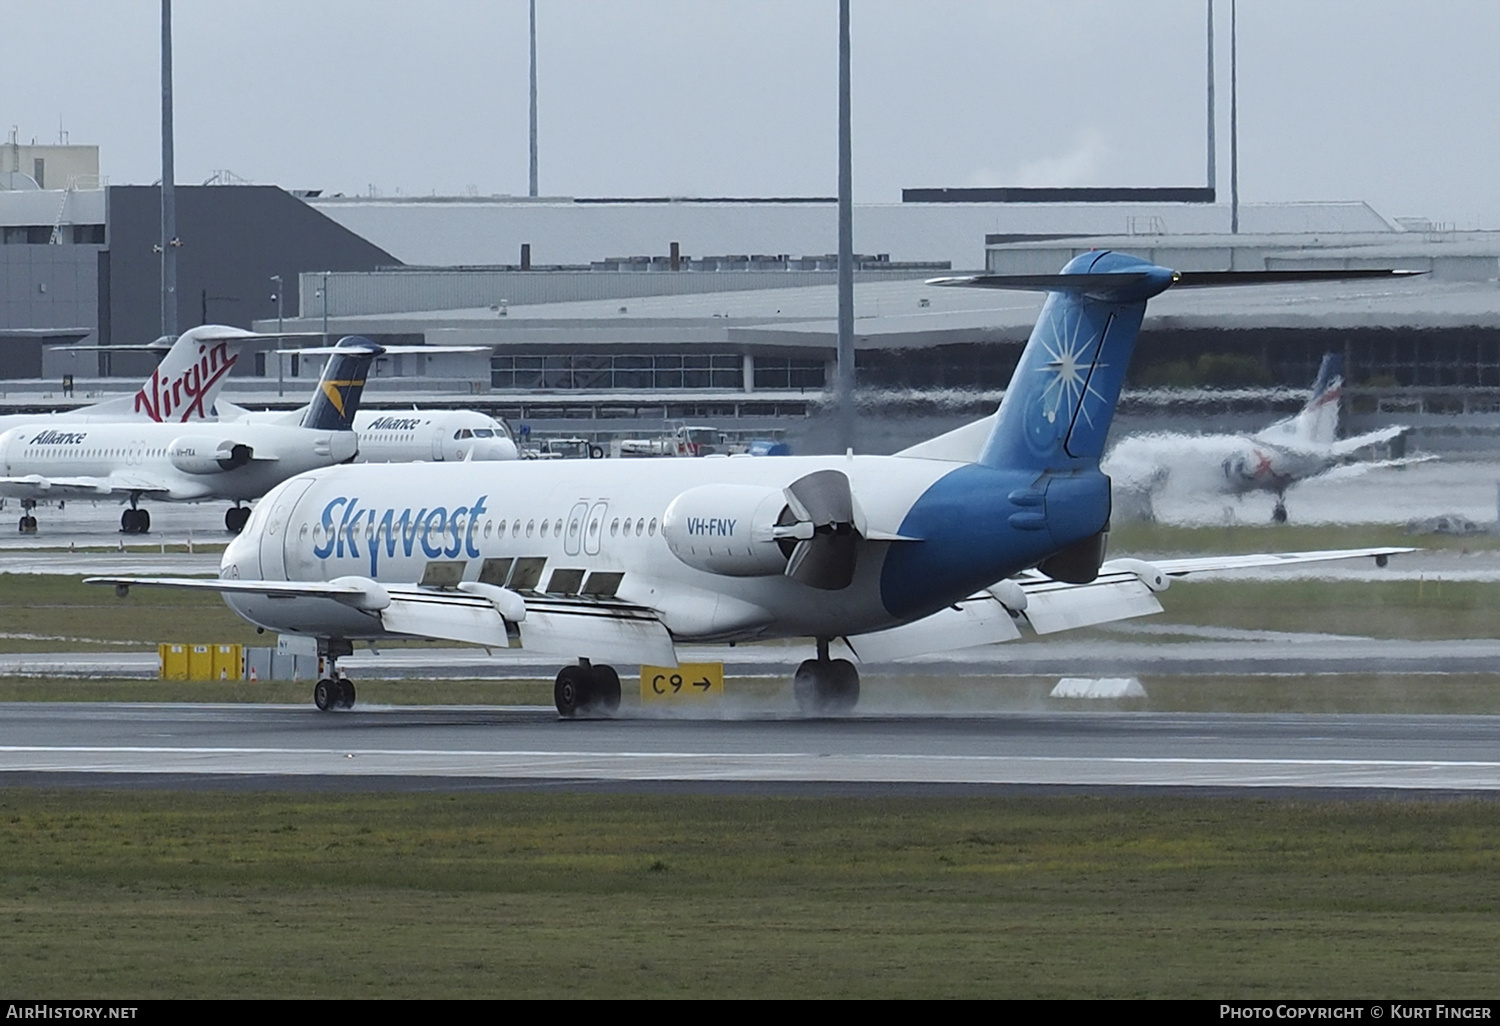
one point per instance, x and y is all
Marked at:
(437, 444)
(594, 528)
(573, 538)
(278, 533)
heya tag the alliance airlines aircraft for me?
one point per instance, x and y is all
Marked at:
(406, 436)
(1272, 460)
(617, 561)
(392, 436)
(171, 462)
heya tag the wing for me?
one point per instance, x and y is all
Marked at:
(1125, 588)
(35, 486)
(476, 614)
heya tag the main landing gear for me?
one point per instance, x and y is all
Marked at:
(334, 691)
(235, 518)
(586, 690)
(135, 521)
(1278, 512)
(824, 686)
(28, 522)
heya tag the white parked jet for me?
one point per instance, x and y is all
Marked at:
(175, 462)
(1291, 450)
(617, 561)
(407, 436)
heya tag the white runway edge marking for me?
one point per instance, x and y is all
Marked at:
(762, 766)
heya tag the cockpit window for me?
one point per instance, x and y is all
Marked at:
(483, 433)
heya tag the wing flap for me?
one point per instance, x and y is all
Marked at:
(1049, 610)
(970, 623)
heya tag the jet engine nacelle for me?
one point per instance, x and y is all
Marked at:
(729, 529)
(205, 454)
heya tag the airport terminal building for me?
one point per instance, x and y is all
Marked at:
(640, 310)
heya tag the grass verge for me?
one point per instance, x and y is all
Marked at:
(154, 894)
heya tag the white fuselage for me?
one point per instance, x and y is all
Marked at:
(406, 436)
(390, 523)
(177, 462)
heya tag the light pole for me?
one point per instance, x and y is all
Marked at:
(280, 383)
(324, 293)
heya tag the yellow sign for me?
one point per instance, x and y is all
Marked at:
(685, 682)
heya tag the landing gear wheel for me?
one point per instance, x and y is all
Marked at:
(1278, 514)
(823, 687)
(28, 525)
(326, 695)
(606, 691)
(573, 692)
(346, 693)
(235, 518)
(135, 521)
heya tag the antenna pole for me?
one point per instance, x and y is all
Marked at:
(845, 367)
(533, 98)
(169, 241)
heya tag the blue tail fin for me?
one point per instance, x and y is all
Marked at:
(1330, 375)
(1057, 410)
(343, 380)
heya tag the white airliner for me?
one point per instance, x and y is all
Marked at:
(409, 436)
(618, 561)
(405, 436)
(172, 461)
(1291, 450)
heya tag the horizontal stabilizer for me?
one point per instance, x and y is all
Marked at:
(1109, 284)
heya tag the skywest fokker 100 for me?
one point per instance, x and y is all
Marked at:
(177, 462)
(617, 561)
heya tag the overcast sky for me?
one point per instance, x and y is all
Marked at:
(1389, 101)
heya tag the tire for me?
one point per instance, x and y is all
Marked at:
(346, 693)
(842, 692)
(596, 452)
(143, 521)
(606, 691)
(325, 695)
(573, 692)
(824, 689)
(805, 687)
(1278, 515)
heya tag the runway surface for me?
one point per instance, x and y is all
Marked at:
(280, 746)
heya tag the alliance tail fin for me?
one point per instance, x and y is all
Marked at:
(339, 388)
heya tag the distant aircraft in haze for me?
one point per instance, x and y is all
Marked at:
(1300, 447)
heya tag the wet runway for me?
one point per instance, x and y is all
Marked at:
(448, 747)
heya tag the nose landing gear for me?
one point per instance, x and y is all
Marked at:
(28, 522)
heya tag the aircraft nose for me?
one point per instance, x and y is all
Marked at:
(241, 559)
